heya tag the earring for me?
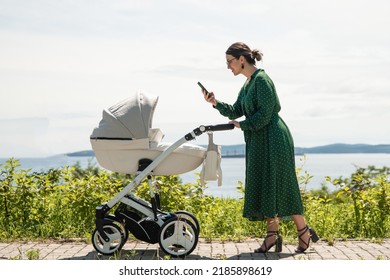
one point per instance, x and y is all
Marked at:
(242, 65)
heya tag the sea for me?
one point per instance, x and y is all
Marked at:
(233, 169)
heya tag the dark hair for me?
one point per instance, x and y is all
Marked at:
(240, 49)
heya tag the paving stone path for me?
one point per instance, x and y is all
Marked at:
(215, 250)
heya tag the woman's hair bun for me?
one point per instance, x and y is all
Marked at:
(241, 49)
(256, 54)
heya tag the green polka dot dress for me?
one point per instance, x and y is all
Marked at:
(271, 186)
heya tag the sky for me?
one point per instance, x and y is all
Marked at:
(63, 62)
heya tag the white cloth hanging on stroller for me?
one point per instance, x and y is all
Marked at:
(211, 169)
(124, 137)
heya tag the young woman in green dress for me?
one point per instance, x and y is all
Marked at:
(271, 186)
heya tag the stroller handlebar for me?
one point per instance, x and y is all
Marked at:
(205, 128)
(219, 127)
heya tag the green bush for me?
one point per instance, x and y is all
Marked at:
(60, 204)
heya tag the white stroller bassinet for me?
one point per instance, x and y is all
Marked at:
(124, 137)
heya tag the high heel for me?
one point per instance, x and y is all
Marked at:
(278, 243)
(313, 236)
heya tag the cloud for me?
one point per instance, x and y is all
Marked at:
(64, 61)
(23, 126)
(41, 137)
(20, 136)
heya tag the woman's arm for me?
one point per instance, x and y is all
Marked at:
(231, 111)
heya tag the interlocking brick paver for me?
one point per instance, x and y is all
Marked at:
(137, 250)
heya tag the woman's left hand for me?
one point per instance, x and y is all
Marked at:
(236, 124)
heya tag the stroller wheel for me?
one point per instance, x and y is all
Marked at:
(116, 242)
(124, 230)
(189, 216)
(178, 237)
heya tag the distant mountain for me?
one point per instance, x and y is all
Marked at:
(88, 153)
(339, 148)
(239, 150)
(345, 149)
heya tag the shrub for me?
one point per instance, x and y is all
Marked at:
(60, 203)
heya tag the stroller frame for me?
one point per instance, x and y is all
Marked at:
(177, 232)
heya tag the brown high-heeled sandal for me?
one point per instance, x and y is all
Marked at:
(313, 236)
(278, 242)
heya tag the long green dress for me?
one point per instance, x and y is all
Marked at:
(271, 186)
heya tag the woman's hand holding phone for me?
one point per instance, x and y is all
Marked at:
(208, 96)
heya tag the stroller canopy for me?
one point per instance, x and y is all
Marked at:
(130, 118)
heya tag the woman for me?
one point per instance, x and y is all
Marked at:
(271, 186)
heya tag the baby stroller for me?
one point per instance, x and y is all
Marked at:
(124, 142)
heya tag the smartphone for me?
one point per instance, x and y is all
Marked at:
(202, 87)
